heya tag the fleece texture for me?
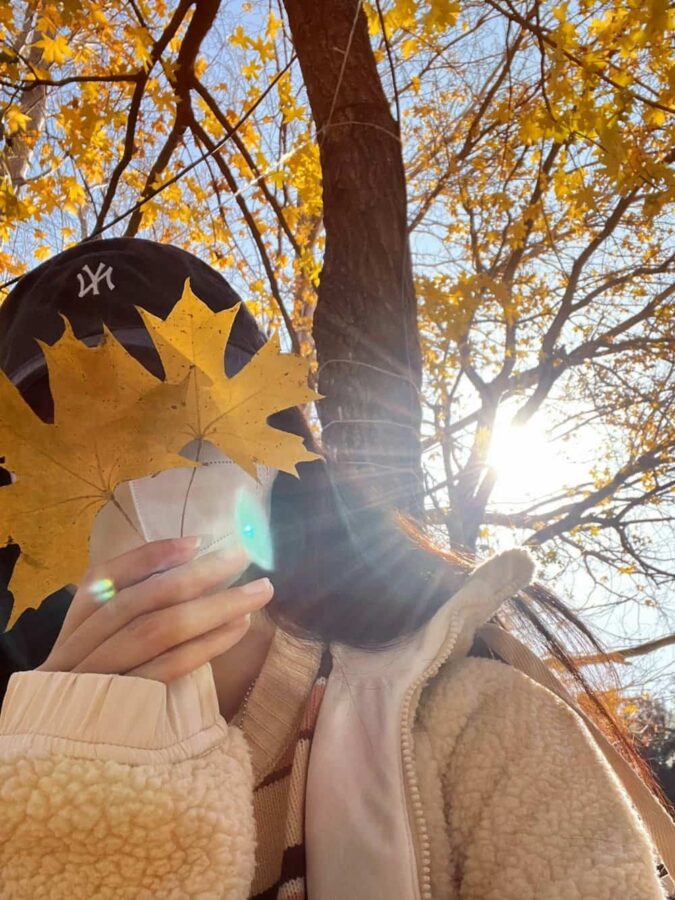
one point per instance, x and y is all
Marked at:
(521, 802)
(114, 787)
(121, 787)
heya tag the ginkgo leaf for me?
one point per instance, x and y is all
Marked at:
(64, 473)
(198, 400)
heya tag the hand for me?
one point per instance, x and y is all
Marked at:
(168, 615)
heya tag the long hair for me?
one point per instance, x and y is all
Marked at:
(352, 571)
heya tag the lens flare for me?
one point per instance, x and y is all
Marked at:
(103, 590)
(252, 529)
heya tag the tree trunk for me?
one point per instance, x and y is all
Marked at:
(15, 158)
(366, 318)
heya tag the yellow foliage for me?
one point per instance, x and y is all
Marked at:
(54, 49)
(114, 422)
(495, 240)
(142, 43)
(14, 119)
(442, 14)
(64, 476)
(239, 38)
(198, 401)
(409, 47)
(250, 70)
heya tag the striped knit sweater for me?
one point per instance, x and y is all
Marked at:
(278, 722)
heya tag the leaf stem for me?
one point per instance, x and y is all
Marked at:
(187, 492)
(125, 514)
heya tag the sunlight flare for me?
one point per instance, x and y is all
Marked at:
(529, 462)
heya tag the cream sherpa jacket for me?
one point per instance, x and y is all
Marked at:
(432, 775)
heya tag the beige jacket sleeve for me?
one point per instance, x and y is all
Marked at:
(534, 810)
(113, 786)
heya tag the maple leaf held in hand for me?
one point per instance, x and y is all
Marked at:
(114, 422)
(65, 472)
(198, 400)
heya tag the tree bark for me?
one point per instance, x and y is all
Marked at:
(366, 317)
(15, 158)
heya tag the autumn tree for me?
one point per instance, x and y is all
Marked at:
(651, 726)
(543, 182)
(522, 151)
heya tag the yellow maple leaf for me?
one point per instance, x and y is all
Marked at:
(442, 14)
(239, 38)
(54, 49)
(42, 252)
(251, 70)
(114, 421)
(199, 401)
(15, 120)
(65, 472)
(107, 373)
(409, 47)
(75, 195)
(142, 45)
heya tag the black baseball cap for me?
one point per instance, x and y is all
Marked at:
(101, 282)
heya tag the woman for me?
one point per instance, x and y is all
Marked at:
(344, 733)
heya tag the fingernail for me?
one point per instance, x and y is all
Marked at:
(257, 586)
(192, 541)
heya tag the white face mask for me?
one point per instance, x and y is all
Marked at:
(218, 501)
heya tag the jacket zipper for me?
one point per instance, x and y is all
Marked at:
(421, 841)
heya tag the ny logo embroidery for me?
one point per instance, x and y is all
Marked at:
(102, 273)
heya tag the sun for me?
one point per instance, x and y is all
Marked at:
(531, 463)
